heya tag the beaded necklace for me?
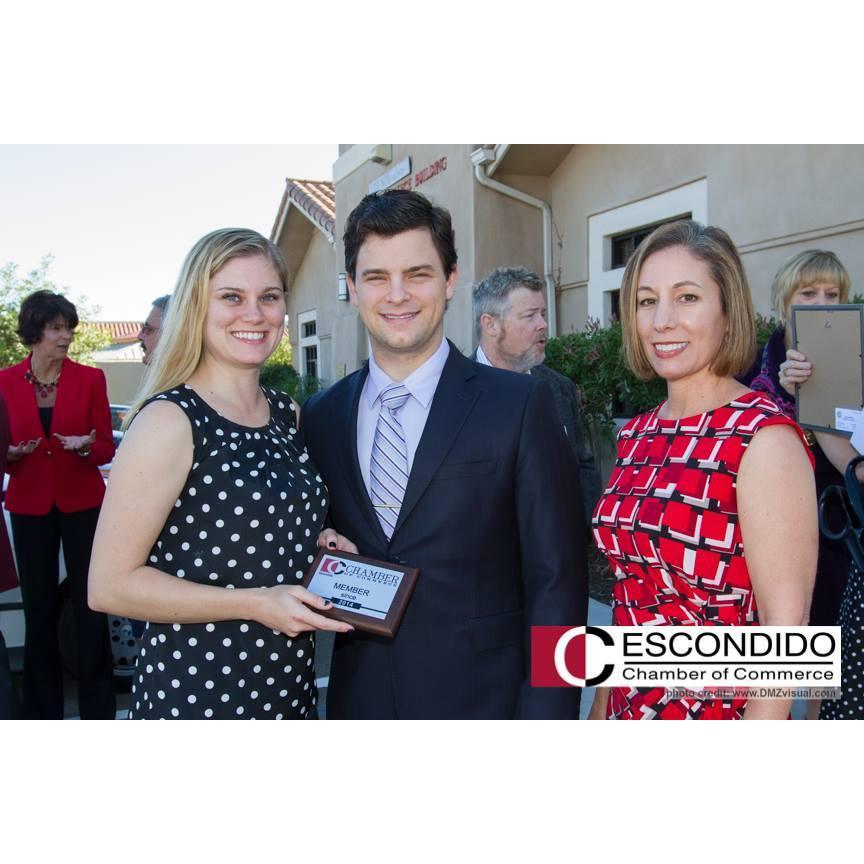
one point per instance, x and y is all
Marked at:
(45, 388)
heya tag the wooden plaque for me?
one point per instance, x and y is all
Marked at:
(368, 594)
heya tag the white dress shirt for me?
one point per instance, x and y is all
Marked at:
(482, 358)
(421, 384)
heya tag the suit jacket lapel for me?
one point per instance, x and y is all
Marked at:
(347, 420)
(454, 398)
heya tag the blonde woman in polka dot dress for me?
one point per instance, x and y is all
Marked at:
(213, 508)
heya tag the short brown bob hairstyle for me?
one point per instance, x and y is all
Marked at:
(714, 247)
(38, 310)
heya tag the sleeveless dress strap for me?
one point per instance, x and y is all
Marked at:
(185, 399)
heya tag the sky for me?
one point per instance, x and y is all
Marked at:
(120, 219)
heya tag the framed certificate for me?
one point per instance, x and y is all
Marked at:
(831, 338)
(368, 594)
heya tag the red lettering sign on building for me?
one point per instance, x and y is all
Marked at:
(430, 171)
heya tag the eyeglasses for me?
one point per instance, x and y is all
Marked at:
(147, 330)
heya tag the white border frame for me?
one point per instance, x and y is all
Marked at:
(691, 198)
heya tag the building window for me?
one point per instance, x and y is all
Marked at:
(310, 360)
(625, 244)
(309, 345)
(614, 235)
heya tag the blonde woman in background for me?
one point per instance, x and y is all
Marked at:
(813, 277)
(213, 509)
(810, 278)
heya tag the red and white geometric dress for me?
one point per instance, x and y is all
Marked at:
(668, 523)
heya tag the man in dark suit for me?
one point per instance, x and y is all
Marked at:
(510, 324)
(436, 462)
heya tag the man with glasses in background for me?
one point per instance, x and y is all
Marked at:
(151, 329)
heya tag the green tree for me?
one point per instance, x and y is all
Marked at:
(281, 375)
(283, 354)
(13, 290)
(593, 359)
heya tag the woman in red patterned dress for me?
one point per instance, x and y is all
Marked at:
(712, 471)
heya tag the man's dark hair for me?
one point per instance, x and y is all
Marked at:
(161, 303)
(38, 310)
(389, 213)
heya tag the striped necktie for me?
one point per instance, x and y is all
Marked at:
(388, 472)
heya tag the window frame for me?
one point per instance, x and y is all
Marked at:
(603, 228)
(304, 342)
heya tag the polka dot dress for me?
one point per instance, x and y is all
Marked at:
(850, 705)
(248, 516)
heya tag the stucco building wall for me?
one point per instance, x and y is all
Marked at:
(774, 200)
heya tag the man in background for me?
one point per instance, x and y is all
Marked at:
(151, 329)
(511, 328)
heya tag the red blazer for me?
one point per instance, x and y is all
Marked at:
(51, 476)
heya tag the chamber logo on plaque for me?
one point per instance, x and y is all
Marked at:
(332, 566)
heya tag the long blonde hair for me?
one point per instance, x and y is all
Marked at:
(180, 348)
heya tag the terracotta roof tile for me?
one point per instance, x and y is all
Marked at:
(119, 331)
(317, 199)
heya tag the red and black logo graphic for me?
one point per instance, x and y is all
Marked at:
(331, 566)
(559, 656)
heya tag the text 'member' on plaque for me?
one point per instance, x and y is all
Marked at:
(368, 594)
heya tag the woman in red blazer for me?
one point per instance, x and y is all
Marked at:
(60, 435)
